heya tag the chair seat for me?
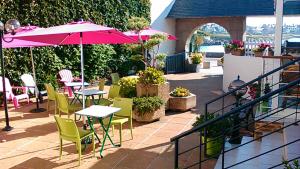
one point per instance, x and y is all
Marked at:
(116, 120)
(22, 96)
(105, 102)
(84, 133)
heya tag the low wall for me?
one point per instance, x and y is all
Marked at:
(248, 68)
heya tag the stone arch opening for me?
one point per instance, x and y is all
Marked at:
(214, 36)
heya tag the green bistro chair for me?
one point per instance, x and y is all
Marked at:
(115, 78)
(64, 106)
(123, 116)
(51, 96)
(113, 92)
(69, 131)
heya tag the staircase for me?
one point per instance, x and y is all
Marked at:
(269, 133)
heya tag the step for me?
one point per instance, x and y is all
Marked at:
(252, 149)
(292, 133)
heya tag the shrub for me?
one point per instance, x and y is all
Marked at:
(180, 92)
(261, 47)
(237, 44)
(128, 87)
(215, 129)
(196, 58)
(145, 105)
(151, 76)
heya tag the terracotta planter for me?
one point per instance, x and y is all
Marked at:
(161, 91)
(227, 50)
(182, 103)
(238, 52)
(258, 54)
(149, 117)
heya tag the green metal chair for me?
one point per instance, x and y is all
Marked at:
(69, 131)
(113, 92)
(115, 78)
(63, 105)
(51, 96)
(123, 116)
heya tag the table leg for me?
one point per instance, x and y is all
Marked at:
(92, 128)
(106, 130)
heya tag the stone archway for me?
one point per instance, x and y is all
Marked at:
(235, 26)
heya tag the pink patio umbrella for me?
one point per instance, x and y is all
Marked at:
(145, 34)
(77, 33)
(17, 43)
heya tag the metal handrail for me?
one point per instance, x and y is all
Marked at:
(235, 110)
(254, 80)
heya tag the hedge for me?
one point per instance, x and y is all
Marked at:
(100, 60)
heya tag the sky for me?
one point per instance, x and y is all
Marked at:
(258, 21)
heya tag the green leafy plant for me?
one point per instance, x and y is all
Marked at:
(160, 60)
(215, 129)
(196, 58)
(180, 92)
(138, 23)
(294, 165)
(151, 76)
(128, 86)
(145, 105)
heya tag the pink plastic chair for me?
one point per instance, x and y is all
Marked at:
(66, 76)
(11, 96)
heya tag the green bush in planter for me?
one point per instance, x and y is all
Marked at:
(128, 86)
(145, 105)
(151, 76)
(196, 58)
(214, 143)
(180, 92)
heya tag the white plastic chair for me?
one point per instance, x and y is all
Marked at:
(11, 96)
(65, 77)
(28, 82)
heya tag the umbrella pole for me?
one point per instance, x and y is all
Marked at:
(7, 126)
(82, 74)
(36, 91)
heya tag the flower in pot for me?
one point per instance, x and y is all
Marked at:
(128, 86)
(148, 109)
(196, 59)
(213, 132)
(259, 50)
(237, 47)
(227, 47)
(181, 99)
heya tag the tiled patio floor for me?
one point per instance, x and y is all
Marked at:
(33, 143)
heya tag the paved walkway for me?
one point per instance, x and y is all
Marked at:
(33, 143)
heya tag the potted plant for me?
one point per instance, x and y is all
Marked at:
(151, 82)
(237, 48)
(214, 143)
(148, 109)
(259, 50)
(181, 99)
(227, 48)
(128, 86)
(196, 59)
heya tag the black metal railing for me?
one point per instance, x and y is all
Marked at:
(221, 137)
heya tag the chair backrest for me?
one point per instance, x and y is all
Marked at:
(101, 84)
(66, 75)
(115, 78)
(125, 104)
(50, 91)
(67, 128)
(8, 88)
(114, 91)
(62, 102)
(28, 81)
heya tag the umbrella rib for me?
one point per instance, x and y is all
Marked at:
(69, 34)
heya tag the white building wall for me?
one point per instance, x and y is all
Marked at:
(159, 11)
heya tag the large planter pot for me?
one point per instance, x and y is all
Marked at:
(182, 103)
(161, 91)
(213, 146)
(194, 68)
(150, 116)
(238, 52)
(258, 54)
